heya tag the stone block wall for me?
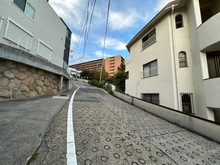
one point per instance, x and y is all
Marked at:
(24, 81)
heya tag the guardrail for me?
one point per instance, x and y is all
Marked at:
(203, 127)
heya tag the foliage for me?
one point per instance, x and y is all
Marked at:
(87, 74)
(108, 88)
(94, 83)
(119, 79)
(94, 75)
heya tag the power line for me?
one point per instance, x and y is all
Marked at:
(87, 32)
(103, 50)
(86, 25)
(83, 23)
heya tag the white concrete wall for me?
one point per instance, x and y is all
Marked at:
(171, 80)
(212, 92)
(46, 28)
(198, 60)
(182, 44)
(209, 35)
(161, 50)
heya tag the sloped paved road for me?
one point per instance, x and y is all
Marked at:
(110, 131)
(24, 123)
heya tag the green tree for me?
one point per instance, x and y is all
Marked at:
(87, 74)
(119, 78)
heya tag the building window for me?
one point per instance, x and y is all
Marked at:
(179, 21)
(152, 98)
(150, 69)
(20, 3)
(213, 61)
(30, 11)
(186, 104)
(127, 75)
(182, 59)
(149, 39)
(26, 7)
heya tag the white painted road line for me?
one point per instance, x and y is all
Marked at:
(71, 148)
(104, 90)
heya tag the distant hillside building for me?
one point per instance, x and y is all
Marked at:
(34, 49)
(90, 65)
(110, 65)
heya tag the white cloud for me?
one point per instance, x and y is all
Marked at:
(70, 10)
(74, 38)
(78, 58)
(122, 20)
(113, 44)
(161, 4)
(98, 54)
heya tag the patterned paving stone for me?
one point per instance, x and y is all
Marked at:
(110, 131)
(103, 138)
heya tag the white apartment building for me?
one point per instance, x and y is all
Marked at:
(175, 59)
(34, 36)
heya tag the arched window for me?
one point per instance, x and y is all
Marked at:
(182, 59)
(179, 21)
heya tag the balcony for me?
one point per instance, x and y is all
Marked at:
(209, 36)
(212, 92)
(149, 42)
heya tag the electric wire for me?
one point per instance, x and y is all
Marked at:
(86, 27)
(106, 30)
(83, 23)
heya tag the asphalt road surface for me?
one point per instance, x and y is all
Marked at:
(23, 125)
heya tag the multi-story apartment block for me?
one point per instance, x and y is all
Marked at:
(178, 62)
(34, 49)
(90, 65)
(112, 64)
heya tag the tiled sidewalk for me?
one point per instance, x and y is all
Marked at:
(110, 131)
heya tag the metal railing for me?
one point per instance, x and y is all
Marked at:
(151, 72)
(17, 39)
(149, 42)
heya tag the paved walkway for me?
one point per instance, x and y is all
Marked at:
(110, 131)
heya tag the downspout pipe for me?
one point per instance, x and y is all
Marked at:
(1, 21)
(174, 56)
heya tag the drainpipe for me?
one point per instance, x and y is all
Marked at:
(174, 58)
(1, 21)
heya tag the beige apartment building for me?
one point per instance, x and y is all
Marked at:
(110, 65)
(90, 65)
(177, 64)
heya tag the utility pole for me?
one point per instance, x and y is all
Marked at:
(100, 78)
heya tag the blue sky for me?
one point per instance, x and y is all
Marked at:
(126, 18)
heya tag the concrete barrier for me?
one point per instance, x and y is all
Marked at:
(195, 124)
(126, 98)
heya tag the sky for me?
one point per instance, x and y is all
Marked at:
(126, 19)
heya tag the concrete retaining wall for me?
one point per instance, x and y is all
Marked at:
(192, 123)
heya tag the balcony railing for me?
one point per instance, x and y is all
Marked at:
(149, 42)
(17, 39)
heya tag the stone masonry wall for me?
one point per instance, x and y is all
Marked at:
(25, 81)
